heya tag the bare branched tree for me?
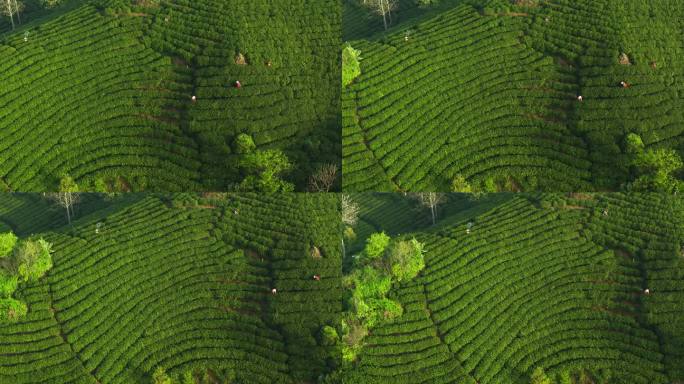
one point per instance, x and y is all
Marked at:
(67, 197)
(350, 215)
(10, 8)
(430, 200)
(383, 8)
(350, 211)
(324, 178)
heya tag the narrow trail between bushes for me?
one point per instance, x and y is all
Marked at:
(267, 301)
(62, 334)
(366, 143)
(439, 334)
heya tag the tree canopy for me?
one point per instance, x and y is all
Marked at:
(34, 259)
(382, 262)
(7, 242)
(25, 260)
(656, 170)
(264, 170)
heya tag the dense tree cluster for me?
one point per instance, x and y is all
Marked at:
(382, 262)
(25, 260)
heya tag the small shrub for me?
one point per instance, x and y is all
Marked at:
(633, 143)
(461, 185)
(624, 59)
(244, 143)
(351, 68)
(240, 59)
(375, 245)
(329, 335)
(12, 310)
(349, 234)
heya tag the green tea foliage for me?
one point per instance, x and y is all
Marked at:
(484, 93)
(181, 282)
(545, 288)
(540, 377)
(116, 102)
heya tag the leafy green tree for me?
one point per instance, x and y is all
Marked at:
(540, 377)
(34, 259)
(351, 68)
(67, 196)
(264, 170)
(8, 284)
(461, 185)
(375, 310)
(405, 259)
(376, 245)
(7, 242)
(12, 310)
(656, 169)
(354, 332)
(370, 282)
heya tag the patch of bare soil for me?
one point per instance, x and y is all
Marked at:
(581, 196)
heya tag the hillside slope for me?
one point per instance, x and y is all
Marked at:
(488, 91)
(182, 283)
(548, 282)
(102, 91)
